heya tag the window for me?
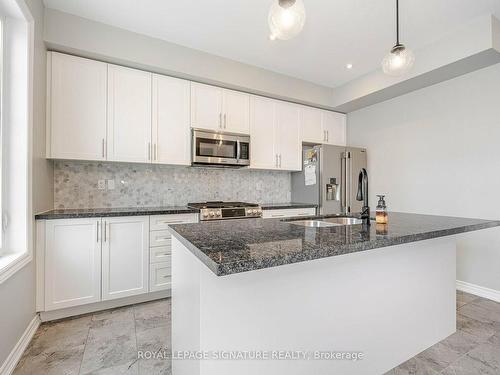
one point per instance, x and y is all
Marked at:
(16, 49)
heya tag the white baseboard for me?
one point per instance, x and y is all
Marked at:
(15, 355)
(479, 291)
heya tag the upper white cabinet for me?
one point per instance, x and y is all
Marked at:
(171, 131)
(214, 108)
(275, 135)
(334, 124)
(125, 256)
(289, 146)
(129, 115)
(320, 126)
(236, 111)
(263, 154)
(72, 263)
(76, 108)
(206, 107)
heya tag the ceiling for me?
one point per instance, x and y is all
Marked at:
(337, 32)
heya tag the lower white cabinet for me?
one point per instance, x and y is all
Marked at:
(288, 212)
(82, 261)
(72, 262)
(160, 276)
(125, 256)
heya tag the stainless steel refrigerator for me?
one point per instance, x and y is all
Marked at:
(329, 178)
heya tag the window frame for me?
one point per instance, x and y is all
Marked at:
(17, 37)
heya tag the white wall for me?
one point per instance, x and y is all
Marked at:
(17, 294)
(72, 34)
(437, 151)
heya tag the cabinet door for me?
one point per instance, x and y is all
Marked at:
(334, 125)
(263, 154)
(125, 256)
(171, 131)
(206, 107)
(72, 262)
(236, 112)
(76, 112)
(310, 125)
(129, 114)
(288, 136)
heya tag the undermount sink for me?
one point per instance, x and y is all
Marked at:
(328, 222)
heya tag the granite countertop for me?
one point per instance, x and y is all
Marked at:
(110, 212)
(232, 246)
(75, 213)
(277, 206)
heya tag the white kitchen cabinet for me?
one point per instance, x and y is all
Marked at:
(129, 115)
(214, 108)
(206, 107)
(322, 127)
(72, 262)
(263, 154)
(160, 276)
(288, 212)
(125, 256)
(287, 136)
(334, 125)
(274, 131)
(311, 126)
(170, 130)
(76, 108)
(235, 112)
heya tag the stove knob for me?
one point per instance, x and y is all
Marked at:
(217, 214)
(212, 214)
(205, 215)
(254, 212)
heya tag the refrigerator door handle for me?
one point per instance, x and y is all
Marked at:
(343, 190)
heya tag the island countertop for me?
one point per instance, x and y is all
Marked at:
(232, 246)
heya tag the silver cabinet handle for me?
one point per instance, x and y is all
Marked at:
(105, 232)
(97, 231)
(276, 162)
(327, 135)
(277, 215)
(149, 150)
(155, 152)
(103, 147)
(225, 122)
(172, 222)
(280, 160)
(324, 135)
(220, 120)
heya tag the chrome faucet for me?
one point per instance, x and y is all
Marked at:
(362, 195)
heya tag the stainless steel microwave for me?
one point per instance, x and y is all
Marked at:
(220, 149)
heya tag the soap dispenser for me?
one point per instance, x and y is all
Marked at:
(381, 210)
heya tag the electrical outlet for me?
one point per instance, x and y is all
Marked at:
(101, 184)
(111, 184)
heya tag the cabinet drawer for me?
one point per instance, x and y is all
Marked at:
(161, 222)
(160, 276)
(160, 238)
(288, 212)
(160, 254)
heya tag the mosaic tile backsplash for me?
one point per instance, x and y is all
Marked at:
(76, 185)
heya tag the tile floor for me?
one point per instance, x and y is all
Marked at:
(107, 343)
(473, 350)
(103, 343)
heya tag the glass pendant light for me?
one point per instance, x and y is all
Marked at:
(400, 59)
(286, 19)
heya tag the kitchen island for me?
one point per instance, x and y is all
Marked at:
(259, 296)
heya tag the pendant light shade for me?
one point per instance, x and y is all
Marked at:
(286, 19)
(400, 59)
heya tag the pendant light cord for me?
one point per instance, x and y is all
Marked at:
(397, 22)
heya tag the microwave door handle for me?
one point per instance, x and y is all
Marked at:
(238, 151)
